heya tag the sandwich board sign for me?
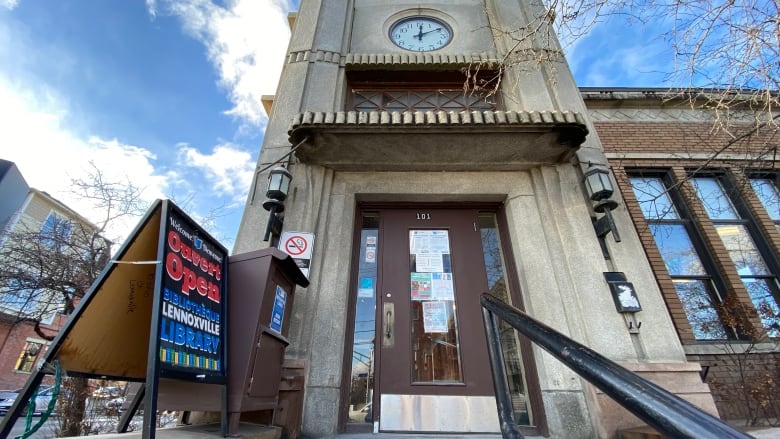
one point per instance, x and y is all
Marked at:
(157, 310)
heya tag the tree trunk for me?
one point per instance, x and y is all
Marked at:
(73, 409)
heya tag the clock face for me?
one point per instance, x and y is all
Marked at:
(420, 33)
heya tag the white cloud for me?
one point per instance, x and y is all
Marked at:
(49, 155)
(245, 41)
(229, 168)
(151, 6)
(10, 4)
(37, 134)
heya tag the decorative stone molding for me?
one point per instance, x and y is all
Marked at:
(412, 118)
(436, 140)
(314, 56)
(359, 61)
(396, 60)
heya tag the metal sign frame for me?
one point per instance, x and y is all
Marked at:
(126, 298)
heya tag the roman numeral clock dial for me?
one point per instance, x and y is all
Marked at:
(420, 33)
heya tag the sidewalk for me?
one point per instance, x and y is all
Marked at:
(210, 431)
(256, 431)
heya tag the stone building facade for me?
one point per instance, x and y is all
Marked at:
(421, 197)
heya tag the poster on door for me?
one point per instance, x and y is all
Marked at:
(441, 286)
(429, 241)
(435, 317)
(429, 262)
(421, 286)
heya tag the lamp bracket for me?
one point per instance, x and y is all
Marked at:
(606, 224)
(273, 205)
(605, 205)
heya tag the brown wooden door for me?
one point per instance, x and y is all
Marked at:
(430, 336)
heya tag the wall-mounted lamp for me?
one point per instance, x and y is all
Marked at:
(599, 188)
(278, 186)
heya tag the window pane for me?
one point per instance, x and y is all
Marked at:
(700, 310)
(766, 191)
(435, 347)
(676, 248)
(362, 386)
(497, 286)
(27, 357)
(761, 295)
(17, 300)
(653, 198)
(742, 250)
(714, 198)
(55, 230)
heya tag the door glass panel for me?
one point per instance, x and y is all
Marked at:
(497, 286)
(434, 328)
(362, 385)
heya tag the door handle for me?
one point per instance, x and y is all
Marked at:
(389, 324)
(388, 338)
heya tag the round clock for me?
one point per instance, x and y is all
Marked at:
(420, 33)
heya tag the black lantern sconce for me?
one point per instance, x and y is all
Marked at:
(278, 186)
(600, 189)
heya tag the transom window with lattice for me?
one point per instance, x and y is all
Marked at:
(423, 91)
(421, 100)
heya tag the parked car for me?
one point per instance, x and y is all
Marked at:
(8, 394)
(115, 403)
(107, 392)
(8, 398)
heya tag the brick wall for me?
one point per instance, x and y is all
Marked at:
(12, 340)
(744, 385)
(680, 138)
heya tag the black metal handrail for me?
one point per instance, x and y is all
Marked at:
(663, 410)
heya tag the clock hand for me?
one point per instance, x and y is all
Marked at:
(426, 33)
(420, 35)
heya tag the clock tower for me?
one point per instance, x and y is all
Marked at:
(434, 158)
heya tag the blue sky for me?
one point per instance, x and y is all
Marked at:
(167, 92)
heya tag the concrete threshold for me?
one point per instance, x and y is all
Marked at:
(415, 436)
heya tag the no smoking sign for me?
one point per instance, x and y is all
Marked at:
(299, 245)
(295, 245)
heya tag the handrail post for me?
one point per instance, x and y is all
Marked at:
(503, 398)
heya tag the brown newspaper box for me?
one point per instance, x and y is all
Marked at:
(261, 292)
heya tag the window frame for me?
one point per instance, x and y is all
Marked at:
(26, 359)
(415, 82)
(774, 177)
(729, 186)
(713, 280)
